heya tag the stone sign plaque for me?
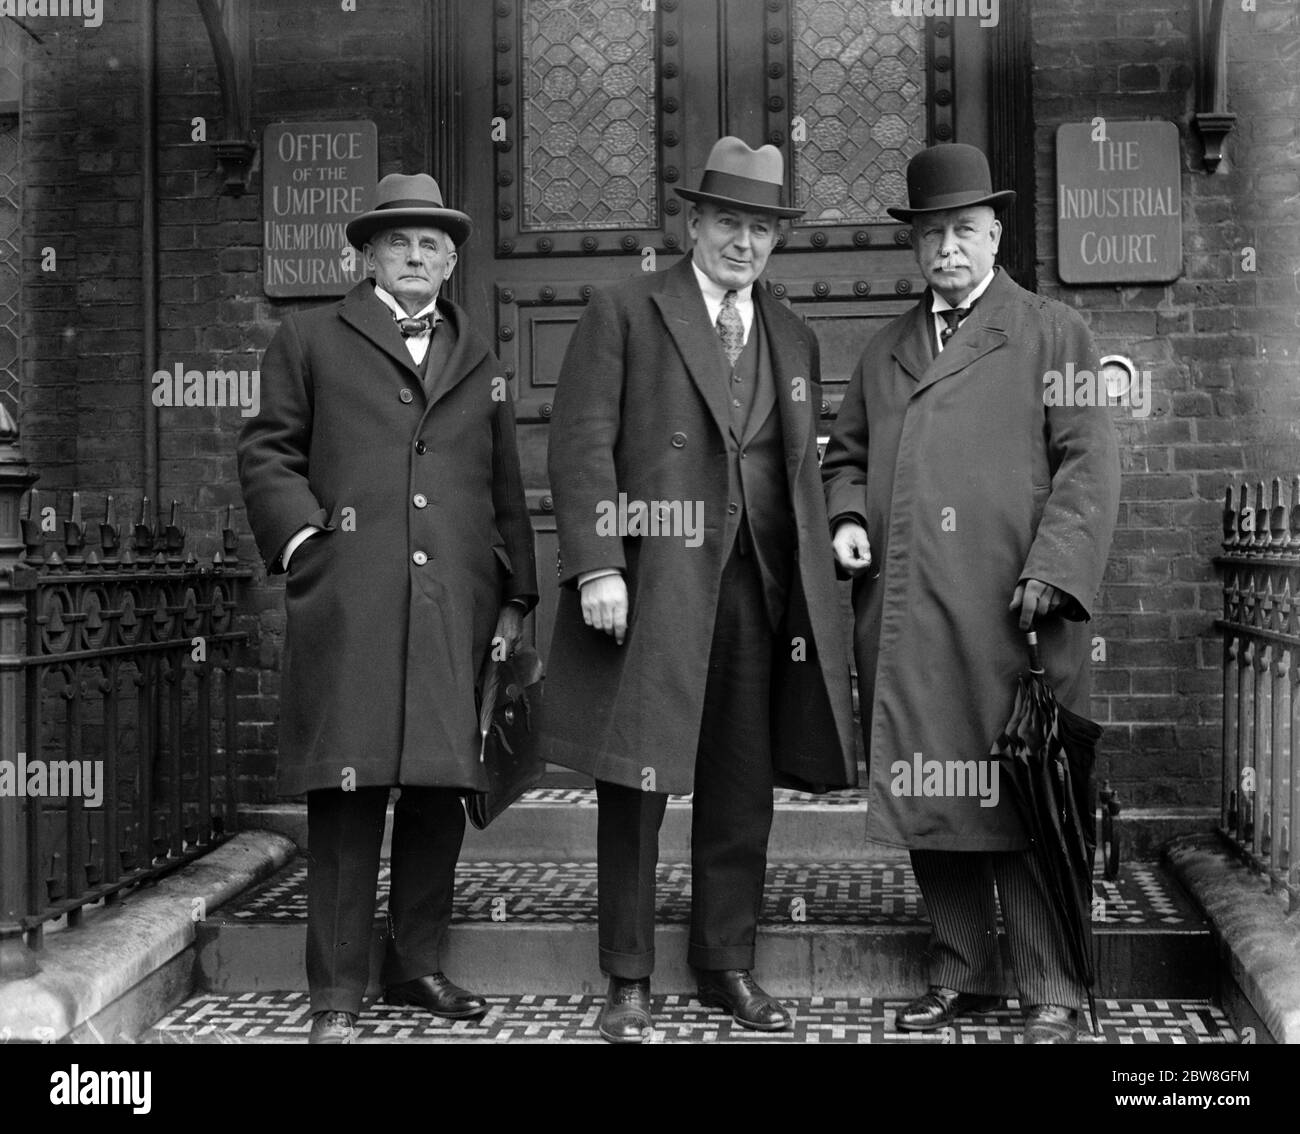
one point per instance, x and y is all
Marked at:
(1118, 202)
(316, 176)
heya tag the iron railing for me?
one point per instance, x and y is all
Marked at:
(1260, 808)
(117, 706)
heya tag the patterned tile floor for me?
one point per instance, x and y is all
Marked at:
(831, 893)
(586, 797)
(283, 1017)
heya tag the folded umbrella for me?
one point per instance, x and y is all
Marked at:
(1046, 754)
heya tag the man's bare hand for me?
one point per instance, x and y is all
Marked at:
(510, 628)
(604, 605)
(852, 551)
(1035, 599)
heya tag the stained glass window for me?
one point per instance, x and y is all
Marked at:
(589, 145)
(858, 76)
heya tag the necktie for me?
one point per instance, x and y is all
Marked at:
(951, 318)
(410, 326)
(730, 328)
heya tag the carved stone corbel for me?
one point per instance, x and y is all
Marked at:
(227, 22)
(1213, 122)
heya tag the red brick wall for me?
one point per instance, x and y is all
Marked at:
(1220, 344)
(84, 383)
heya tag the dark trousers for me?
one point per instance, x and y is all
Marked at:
(731, 809)
(345, 834)
(964, 955)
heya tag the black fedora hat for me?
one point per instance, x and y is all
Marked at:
(742, 178)
(408, 199)
(949, 176)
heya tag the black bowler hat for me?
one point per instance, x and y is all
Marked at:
(949, 176)
(742, 178)
(414, 199)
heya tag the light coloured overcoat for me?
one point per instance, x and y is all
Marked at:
(968, 483)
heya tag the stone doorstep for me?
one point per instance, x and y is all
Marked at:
(86, 974)
(803, 831)
(1259, 944)
(86, 971)
(235, 956)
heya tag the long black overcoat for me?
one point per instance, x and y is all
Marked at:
(391, 610)
(640, 410)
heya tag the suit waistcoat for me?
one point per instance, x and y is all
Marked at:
(763, 519)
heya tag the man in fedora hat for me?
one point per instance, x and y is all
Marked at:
(966, 507)
(713, 659)
(382, 474)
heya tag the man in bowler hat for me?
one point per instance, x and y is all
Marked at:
(711, 662)
(382, 474)
(969, 508)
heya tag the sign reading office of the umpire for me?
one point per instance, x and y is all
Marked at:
(1118, 202)
(316, 176)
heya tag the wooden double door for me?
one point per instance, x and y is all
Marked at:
(562, 126)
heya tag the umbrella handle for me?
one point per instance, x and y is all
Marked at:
(1035, 662)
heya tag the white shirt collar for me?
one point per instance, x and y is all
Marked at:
(430, 308)
(716, 292)
(938, 303)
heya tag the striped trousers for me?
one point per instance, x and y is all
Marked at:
(958, 890)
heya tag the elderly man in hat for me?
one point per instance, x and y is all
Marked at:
(968, 507)
(382, 474)
(705, 655)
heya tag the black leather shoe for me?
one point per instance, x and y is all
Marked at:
(1050, 1023)
(939, 1007)
(626, 1018)
(332, 1027)
(438, 996)
(737, 992)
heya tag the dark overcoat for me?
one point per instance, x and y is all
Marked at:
(641, 410)
(968, 482)
(382, 652)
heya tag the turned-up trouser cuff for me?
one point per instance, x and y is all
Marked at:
(345, 832)
(731, 809)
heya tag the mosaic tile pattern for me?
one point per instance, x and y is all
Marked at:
(283, 1017)
(831, 893)
(586, 797)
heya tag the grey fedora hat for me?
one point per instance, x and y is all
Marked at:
(409, 199)
(743, 178)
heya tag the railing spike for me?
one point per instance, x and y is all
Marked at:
(1279, 535)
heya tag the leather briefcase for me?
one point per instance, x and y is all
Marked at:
(509, 703)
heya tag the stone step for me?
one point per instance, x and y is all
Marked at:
(558, 824)
(284, 1017)
(830, 929)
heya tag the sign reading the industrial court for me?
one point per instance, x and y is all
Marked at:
(316, 177)
(1118, 202)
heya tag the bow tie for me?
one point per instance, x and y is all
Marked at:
(410, 326)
